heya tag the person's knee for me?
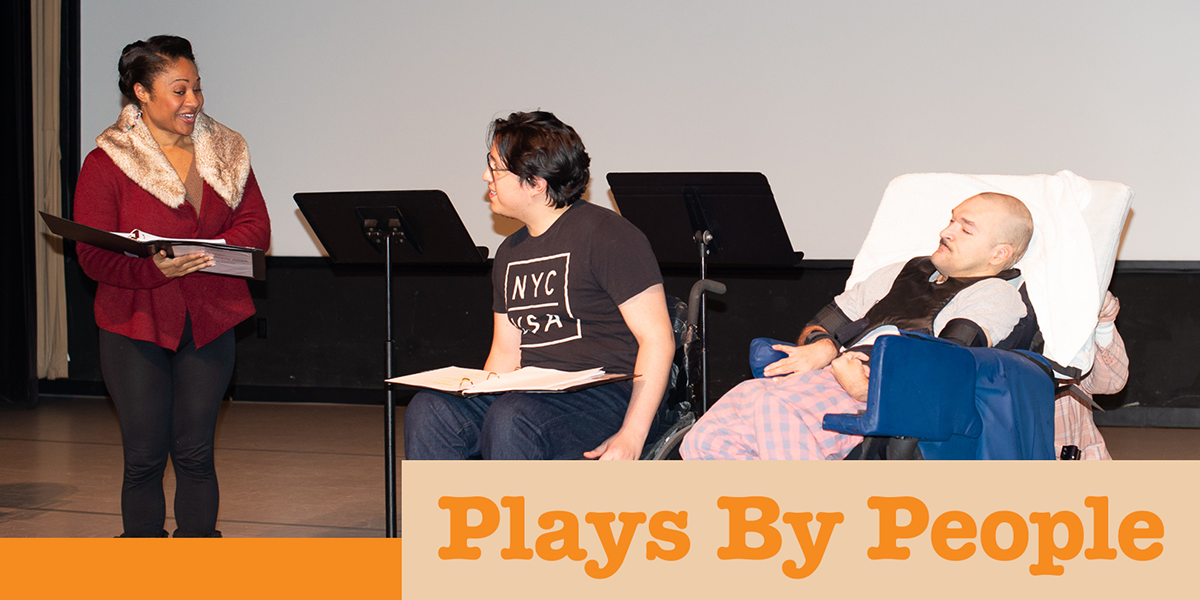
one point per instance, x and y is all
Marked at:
(694, 441)
(511, 430)
(712, 431)
(430, 415)
(434, 430)
(144, 464)
(688, 447)
(422, 411)
(195, 461)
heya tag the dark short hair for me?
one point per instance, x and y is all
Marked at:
(142, 61)
(537, 144)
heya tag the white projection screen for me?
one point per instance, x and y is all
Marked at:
(830, 100)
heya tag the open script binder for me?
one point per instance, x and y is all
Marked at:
(234, 261)
(473, 382)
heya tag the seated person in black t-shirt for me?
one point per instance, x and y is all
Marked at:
(578, 287)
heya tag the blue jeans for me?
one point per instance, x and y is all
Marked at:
(516, 425)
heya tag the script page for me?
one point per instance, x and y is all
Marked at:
(533, 379)
(238, 263)
(446, 379)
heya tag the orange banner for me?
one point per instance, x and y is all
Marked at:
(194, 568)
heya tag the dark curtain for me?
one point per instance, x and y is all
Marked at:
(68, 137)
(18, 367)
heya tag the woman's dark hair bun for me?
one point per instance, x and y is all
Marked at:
(142, 61)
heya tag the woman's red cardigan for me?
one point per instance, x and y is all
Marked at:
(134, 298)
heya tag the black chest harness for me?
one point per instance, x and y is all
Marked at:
(914, 302)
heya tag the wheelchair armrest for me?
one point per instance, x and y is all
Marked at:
(929, 387)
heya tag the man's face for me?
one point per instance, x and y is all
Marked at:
(508, 195)
(968, 245)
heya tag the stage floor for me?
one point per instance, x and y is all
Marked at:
(286, 470)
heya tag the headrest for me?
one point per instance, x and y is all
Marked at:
(1077, 229)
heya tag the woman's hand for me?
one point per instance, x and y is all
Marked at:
(182, 265)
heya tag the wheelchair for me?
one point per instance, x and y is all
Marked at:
(934, 400)
(938, 400)
(678, 411)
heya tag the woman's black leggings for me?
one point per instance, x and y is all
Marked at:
(167, 402)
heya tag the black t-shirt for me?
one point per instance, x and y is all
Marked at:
(562, 289)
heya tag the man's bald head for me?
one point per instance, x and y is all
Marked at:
(1016, 226)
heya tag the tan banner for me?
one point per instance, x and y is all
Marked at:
(591, 530)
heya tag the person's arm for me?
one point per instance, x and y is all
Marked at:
(848, 306)
(251, 226)
(1110, 369)
(505, 355)
(805, 357)
(646, 316)
(852, 372)
(981, 315)
(965, 333)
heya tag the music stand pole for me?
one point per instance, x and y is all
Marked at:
(385, 224)
(389, 410)
(703, 237)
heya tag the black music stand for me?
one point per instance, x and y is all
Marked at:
(728, 219)
(407, 227)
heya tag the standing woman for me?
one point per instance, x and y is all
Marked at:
(166, 326)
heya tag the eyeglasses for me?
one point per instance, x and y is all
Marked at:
(493, 170)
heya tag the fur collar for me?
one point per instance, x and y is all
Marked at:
(222, 158)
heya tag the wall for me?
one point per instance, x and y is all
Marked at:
(829, 99)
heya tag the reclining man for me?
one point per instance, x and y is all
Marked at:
(577, 287)
(964, 292)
